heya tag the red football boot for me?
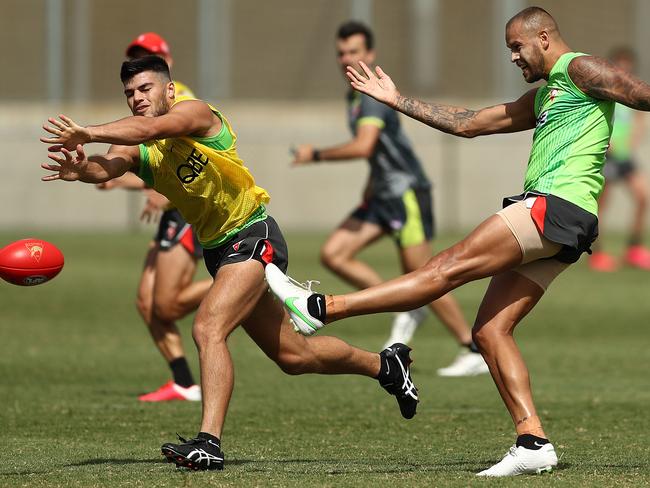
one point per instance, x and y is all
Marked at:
(600, 261)
(172, 391)
(638, 256)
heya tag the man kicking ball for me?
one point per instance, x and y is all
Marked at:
(536, 236)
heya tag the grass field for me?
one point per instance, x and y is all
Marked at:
(75, 355)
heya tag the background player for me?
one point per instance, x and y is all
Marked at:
(166, 292)
(555, 217)
(187, 151)
(396, 202)
(629, 128)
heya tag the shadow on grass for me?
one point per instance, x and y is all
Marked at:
(327, 466)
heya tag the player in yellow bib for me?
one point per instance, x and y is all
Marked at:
(166, 292)
(187, 151)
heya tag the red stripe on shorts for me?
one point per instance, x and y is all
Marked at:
(267, 255)
(187, 240)
(538, 213)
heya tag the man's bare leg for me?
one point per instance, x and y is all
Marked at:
(233, 296)
(269, 326)
(446, 307)
(339, 252)
(490, 249)
(639, 189)
(509, 298)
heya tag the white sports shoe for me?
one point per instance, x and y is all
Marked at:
(404, 325)
(293, 296)
(519, 460)
(467, 363)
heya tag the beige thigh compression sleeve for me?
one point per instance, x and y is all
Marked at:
(534, 246)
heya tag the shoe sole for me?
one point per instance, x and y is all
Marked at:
(182, 462)
(299, 330)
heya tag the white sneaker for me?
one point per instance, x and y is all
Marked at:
(519, 460)
(404, 325)
(467, 363)
(293, 296)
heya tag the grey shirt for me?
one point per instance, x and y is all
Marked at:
(394, 167)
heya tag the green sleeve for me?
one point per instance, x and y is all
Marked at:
(145, 169)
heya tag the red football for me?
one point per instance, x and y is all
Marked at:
(30, 262)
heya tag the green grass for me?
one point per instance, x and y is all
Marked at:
(75, 355)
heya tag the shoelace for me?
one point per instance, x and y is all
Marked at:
(195, 440)
(306, 285)
(511, 452)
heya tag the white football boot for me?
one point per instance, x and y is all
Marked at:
(466, 363)
(519, 460)
(404, 326)
(293, 296)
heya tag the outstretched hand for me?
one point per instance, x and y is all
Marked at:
(69, 167)
(66, 132)
(379, 86)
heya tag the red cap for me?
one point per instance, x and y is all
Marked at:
(150, 41)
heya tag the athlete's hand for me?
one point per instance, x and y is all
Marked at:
(302, 154)
(379, 86)
(69, 167)
(153, 206)
(65, 132)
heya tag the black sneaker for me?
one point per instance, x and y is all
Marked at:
(395, 377)
(196, 454)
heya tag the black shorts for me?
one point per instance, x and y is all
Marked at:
(173, 229)
(408, 219)
(263, 241)
(617, 169)
(563, 222)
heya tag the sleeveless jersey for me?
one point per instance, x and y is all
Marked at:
(570, 140)
(204, 178)
(621, 142)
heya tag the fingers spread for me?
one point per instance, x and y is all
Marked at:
(366, 70)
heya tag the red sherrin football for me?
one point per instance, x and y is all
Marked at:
(29, 262)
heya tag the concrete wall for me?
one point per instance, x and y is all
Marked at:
(283, 49)
(471, 176)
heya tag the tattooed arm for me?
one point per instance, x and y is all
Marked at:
(600, 79)
(508, 117)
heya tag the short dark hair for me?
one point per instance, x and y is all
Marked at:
(354, 27)
(140, 65)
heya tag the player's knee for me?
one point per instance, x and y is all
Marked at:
(167, 310)
(292, 363)
(486, 337)
(144, 307)
(206, 333)
(330, 258)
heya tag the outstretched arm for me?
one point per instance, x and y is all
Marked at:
(508, 117)
(93, 169)
(362, 146)
(601, 79)
(187, 118)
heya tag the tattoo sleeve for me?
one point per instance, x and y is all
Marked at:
(600, 79)
(452, 120)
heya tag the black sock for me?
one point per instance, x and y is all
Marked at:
(209, 437)
(316, 306)
(181, 372)
(530, 441)
(472, 347)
